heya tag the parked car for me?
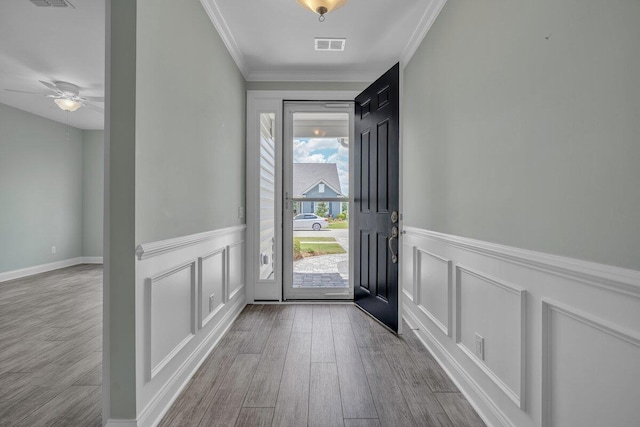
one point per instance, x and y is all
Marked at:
(309, 221)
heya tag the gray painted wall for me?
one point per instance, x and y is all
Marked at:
(521, 127)
(92, 192)
(51, 190)
(40, 190)
(119, 369)
(190, 125)
(175, 133)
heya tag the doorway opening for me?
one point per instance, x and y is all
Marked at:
(317, 159)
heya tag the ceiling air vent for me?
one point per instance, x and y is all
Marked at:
(330, 45)
(54, 3)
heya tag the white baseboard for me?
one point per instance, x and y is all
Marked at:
(162, 402)
(205, 273)
(37, 269)
(483, 405)
(534, 311)
(43, 268)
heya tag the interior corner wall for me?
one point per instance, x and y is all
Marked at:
(190, 125)
(40, 190)
(92, 192)
(521, 127)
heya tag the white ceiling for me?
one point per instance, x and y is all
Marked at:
(270, 40)
(52, 44)
(274, 39)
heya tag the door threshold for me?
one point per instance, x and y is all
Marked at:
(307, 301)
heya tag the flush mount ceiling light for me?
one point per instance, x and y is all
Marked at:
(321, 7)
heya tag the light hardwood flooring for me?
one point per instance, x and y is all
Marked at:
(318, 365)
(286, 365)
(51, 348)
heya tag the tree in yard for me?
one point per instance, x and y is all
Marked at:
(345, 209)
(322, 209)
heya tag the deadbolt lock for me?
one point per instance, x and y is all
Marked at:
(394, 217)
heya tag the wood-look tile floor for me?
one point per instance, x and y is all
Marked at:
(51, 348)
(318, 365)
(288, 365)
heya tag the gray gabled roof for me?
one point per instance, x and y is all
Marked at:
(307, 175)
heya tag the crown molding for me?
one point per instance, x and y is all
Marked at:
(433, 9)
(431, 12)
(313, 76)
(213, 11)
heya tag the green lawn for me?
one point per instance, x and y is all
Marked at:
(313, 239)
(304, 247)
(338, 225)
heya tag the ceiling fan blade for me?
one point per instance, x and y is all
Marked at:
(93, 107)
(24, 91)
(51, 86)
(94, 98)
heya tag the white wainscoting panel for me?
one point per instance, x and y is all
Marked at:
(170, 315)
(561, 336)
(496, 311)
(212, 284)
(409, 271)
(188, 292)
(573, 373)
(236, 268)
(434, 288)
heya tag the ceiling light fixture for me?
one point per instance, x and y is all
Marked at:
(322, 7)
(67, 104)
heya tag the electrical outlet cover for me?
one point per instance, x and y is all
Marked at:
(479, 347)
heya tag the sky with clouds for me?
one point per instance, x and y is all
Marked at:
(324, 150)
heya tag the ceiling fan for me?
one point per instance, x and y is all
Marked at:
(67, 96)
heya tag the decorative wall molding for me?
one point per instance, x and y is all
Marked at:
(37, 269)
(213, 11)
(617, 279)
(151, 368)
(431, 11)
(446, 328)
(147, 250)
(472, 391)
(176, 323)
(520, 321)
(305, 76)
(517, 396)
(231, 292)
(162, 401)
(548, 307)
(434, 7)
(202, 318)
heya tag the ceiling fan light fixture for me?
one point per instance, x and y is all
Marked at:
(321, 7)
(67, 104)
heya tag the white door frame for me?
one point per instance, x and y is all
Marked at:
(287, 232)
(270, 102)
